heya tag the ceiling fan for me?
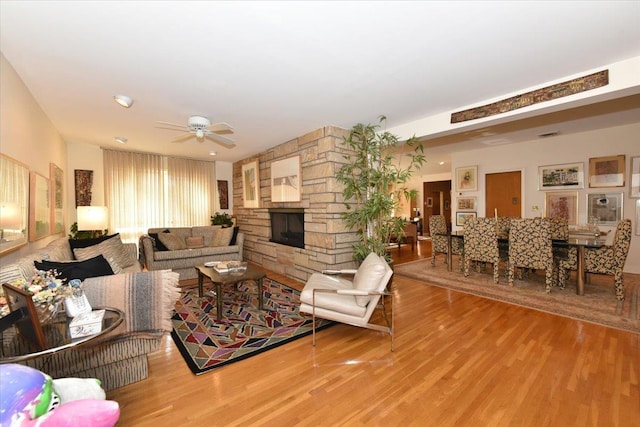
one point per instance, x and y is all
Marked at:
(202, 128)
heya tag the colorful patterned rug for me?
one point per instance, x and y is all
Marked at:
(244, 331)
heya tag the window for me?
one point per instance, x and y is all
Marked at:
(148, 190)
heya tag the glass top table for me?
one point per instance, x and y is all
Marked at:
(16, 347)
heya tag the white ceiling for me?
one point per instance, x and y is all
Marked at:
(277, 70)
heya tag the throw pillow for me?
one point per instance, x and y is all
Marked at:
(368, 276)
(221, 237)
(195, 242)
(93, 267)
(159, 246)
(234, 237)
(85, 243)
(173, 242)
(110, 248)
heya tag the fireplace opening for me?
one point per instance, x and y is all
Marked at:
(287, 227)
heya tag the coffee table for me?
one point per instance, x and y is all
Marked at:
(14, 347)
(219, 279)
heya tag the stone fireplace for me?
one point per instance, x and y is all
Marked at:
(327, 244)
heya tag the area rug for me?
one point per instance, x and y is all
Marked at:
(598, 304)
(244, 331)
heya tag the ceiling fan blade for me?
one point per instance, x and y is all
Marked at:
(221, 127)
(182, 138)
(172, 124)
(221, 139)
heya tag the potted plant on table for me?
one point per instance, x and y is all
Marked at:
(374, 183)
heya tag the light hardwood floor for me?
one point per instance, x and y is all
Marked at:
(459, 360)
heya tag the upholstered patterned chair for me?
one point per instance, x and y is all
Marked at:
(530, 247)
(559, 229)
(481, 244)
(606, 260)
(437, 224)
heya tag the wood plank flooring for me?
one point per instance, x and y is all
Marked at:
(459, 360)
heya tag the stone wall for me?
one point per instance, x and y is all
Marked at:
(327, 243)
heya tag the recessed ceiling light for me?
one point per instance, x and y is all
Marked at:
(212, 153)
(441, 163)
(121, 139)
(123, 100)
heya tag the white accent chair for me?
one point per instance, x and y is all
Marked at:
(332, 297)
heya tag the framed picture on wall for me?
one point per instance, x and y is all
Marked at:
(561, 177)
(634, 187)
(605, 208)
(14, 204)
(251, 185)
(606, 171)
(467, 178)
(39, 208)
(57, 199)
(638, 217)
(562, 204)
(466, 203)
(223, 194)
(285, 180)
(462, 217)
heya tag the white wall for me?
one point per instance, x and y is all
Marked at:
(27, 135)
(528, 156)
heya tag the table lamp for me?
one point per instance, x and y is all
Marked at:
(93, 218)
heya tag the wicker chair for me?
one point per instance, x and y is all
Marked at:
(606, 260)
(530, 247)
(481, 244)
(438, 231)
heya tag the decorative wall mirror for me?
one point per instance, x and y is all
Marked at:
(14, 204)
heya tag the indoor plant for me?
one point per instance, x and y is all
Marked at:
(374, 183)
(221, 218)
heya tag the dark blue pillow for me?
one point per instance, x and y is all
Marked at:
(85, 243)
(234, 236)
(158, 244)
(93, 267)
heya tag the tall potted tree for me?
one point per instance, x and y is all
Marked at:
(374, 183)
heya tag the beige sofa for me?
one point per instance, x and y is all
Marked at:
(146, 298)
(183, 261)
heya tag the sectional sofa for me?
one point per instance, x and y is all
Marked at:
(146, 297)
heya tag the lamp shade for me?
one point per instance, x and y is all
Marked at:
(92, 218)
(10, 218)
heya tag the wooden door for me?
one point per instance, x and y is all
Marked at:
(503, 192)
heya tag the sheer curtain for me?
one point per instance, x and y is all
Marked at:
(148, 190)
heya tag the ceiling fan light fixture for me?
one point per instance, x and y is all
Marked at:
(121, 139)
(199, 133)
(123, 100)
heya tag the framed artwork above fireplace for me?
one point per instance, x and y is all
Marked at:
(251, 184)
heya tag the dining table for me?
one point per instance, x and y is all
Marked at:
(580, 242)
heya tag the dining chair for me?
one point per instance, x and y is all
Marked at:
(481, 244)
(607, 260)
(438, 231)
(530, 247)
(559, 229)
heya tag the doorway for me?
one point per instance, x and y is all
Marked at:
(503, 194)
(436, 201)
